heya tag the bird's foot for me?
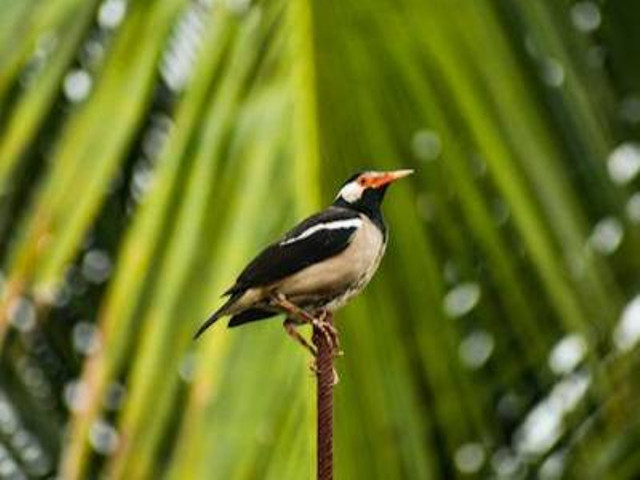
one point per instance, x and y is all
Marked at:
(330, 333)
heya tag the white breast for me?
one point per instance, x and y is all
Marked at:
(366, 251)
(342, 276)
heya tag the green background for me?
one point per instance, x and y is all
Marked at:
(148, 148)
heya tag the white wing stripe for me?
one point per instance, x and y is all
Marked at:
(338, 224)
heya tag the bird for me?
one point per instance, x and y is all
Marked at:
(318, 265)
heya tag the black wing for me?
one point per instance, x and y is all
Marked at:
(282, 259)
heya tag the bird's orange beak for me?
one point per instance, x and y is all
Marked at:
(384, 178)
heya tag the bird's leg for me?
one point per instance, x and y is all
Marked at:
(281, 301)
(290, 327)
(291, 308)
(323, 326)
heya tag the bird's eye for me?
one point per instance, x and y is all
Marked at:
(362, 182)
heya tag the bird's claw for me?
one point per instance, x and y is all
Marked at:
(313, 366)
(336, 379)
(330, 334)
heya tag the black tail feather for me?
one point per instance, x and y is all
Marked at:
(221, 312)
(210, 321)
(251, 315)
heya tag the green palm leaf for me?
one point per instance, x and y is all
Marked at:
(148, 149)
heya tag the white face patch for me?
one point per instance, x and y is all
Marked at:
(351, 192)
(337, 225)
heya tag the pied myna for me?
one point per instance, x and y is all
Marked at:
(318, 265)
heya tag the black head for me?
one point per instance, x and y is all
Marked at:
(365, 191)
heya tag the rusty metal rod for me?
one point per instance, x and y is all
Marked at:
(326, 382)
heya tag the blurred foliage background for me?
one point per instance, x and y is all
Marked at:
(148, 148)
